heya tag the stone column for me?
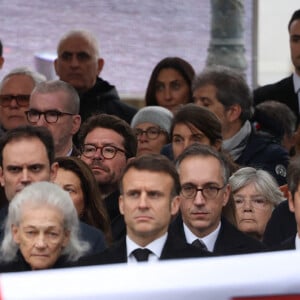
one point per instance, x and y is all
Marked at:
(226, 45)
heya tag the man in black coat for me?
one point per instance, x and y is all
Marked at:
(286, 90)
(148, 201)
(204, 192)
(79, 63)
(293, 242)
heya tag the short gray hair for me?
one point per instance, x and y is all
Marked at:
(35, 76)
(263, 181)
(196, 150)
(88, 36)
(53, 86)
(231, 88)
(41, 194)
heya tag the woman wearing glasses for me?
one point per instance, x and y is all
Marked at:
(255, 195)
(152, 128)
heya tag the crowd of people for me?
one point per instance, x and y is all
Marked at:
(206, 168)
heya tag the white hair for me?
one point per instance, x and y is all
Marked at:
(43, 194)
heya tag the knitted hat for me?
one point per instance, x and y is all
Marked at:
(153, 114)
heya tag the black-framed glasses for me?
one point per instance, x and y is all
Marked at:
(108, 151)
(22, 100)
(190, 191)
(152, 133)
(51, 116)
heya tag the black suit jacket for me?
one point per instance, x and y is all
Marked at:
(229, 241)
(282, 91)
(174, 248)
(281, 225)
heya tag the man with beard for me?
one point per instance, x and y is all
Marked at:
(107, 142)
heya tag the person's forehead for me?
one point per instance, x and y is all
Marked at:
(49, 101)
(76, 44)
(17, 82)
(156, 180)
(210, 163)
(40, 216)
(27, 144)
(104, 135)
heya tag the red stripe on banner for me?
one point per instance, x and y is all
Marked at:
(274, 297)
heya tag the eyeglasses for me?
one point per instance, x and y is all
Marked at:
(189, 191)
(258, 202)
(152, 133)
(108, 152)
(22, 100)
(51, 116)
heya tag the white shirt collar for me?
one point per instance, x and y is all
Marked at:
(296, 81)
(156, 247)
(208, 240)
(297, 242)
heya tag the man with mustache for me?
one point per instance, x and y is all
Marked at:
(107, 143)
(204, 174)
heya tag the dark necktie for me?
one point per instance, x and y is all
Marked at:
(141, 254)
(199, 244)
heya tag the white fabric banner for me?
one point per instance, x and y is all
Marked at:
(276, 273)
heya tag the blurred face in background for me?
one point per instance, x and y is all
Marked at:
(186, 134)
(151, 138)
(172, 90)
(71, 183)
(14, 100)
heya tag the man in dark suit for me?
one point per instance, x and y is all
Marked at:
(148, 201)
(204, 192)
(27, 156)
(286, 90)
(293, 242)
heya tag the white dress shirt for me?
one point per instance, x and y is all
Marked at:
(208, 240)
(155, 247)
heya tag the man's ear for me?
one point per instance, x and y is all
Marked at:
(175, 204)
(56, 66)
(121, 203)
(100, 63)
(1, 61)
(233, 113)
(76, 124)
(291, 202)
(226, 195)
(1, 177)
(53, 171)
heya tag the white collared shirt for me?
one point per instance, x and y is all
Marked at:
(155, 247)
(297, 242)
(296, 81)
(208, 240)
